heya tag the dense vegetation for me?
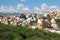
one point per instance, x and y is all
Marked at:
(58, 22)
(8, 32)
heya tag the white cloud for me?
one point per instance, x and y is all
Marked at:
(22, 7)
(26, 9)
(57, 9)
(11, 9)
(53, 7)
(23, 0)
(45, 7)
(36, 8)
(3, 9)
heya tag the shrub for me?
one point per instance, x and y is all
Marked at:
(8, 32)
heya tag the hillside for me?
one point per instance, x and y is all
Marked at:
(9, 32)
(9, 14)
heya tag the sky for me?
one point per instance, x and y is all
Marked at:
(29, 5)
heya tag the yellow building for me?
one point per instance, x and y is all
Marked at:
(58, 13)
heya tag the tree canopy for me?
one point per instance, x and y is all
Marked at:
(8, 32)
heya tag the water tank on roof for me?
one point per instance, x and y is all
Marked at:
(40, 15)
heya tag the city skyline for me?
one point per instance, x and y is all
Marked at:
(29, 5)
